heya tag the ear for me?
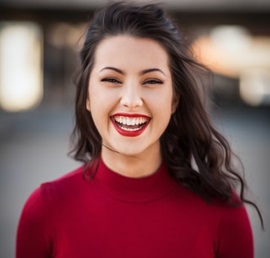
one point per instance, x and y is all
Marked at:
(88, 107)
(175, 103)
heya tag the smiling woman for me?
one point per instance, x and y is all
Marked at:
(157, 179)
(131, 85)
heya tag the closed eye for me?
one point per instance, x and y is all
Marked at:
(111, 80)
(153, 81)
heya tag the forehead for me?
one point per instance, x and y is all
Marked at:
(130, 50)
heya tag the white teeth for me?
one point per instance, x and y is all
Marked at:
(130, 121)
(130, 129)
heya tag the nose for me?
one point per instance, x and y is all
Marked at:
(131, 96)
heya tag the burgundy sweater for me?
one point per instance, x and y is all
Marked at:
(112, 216)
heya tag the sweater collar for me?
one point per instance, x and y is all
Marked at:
(143, 189)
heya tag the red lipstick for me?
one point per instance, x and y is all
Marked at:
(130, 125)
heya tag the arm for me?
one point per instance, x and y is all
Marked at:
(33, 234)
(235, 239)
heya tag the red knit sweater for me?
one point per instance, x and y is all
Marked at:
(111, 216)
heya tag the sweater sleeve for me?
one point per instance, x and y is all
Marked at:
(235, 239)
(33, 234)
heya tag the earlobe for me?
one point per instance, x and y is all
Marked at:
(88, 105)
(175, 103)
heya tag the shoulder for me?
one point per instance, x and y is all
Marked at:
(229, 224)
(69, 181)
(38, 219)
(49, 193)
(222, 214)
(234, 235)
(235, 215)
(234, 218)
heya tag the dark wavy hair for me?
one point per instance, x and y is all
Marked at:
(195, 153)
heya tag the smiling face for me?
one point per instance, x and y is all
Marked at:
(130, 96)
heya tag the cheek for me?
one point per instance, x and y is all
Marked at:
(162, 102)
(101, 104)
(95, 97)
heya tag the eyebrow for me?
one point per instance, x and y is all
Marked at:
(141, 73)
(151, 70)
(112, 68)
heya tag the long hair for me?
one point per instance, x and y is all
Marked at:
(195, 153)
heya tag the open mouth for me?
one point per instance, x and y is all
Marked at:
(130, 125)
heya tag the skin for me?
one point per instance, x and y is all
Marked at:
(131, 76)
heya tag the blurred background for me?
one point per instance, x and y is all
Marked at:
(39, 44)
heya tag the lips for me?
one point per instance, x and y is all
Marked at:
(130, 125)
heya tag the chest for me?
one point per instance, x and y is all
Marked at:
(110, 228)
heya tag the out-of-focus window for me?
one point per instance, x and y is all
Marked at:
(233, 52)
(20, 65)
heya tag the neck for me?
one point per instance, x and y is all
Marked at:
(131, 166)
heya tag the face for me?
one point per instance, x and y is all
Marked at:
(130, 95)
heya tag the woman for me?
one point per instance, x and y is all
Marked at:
(157, 179)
